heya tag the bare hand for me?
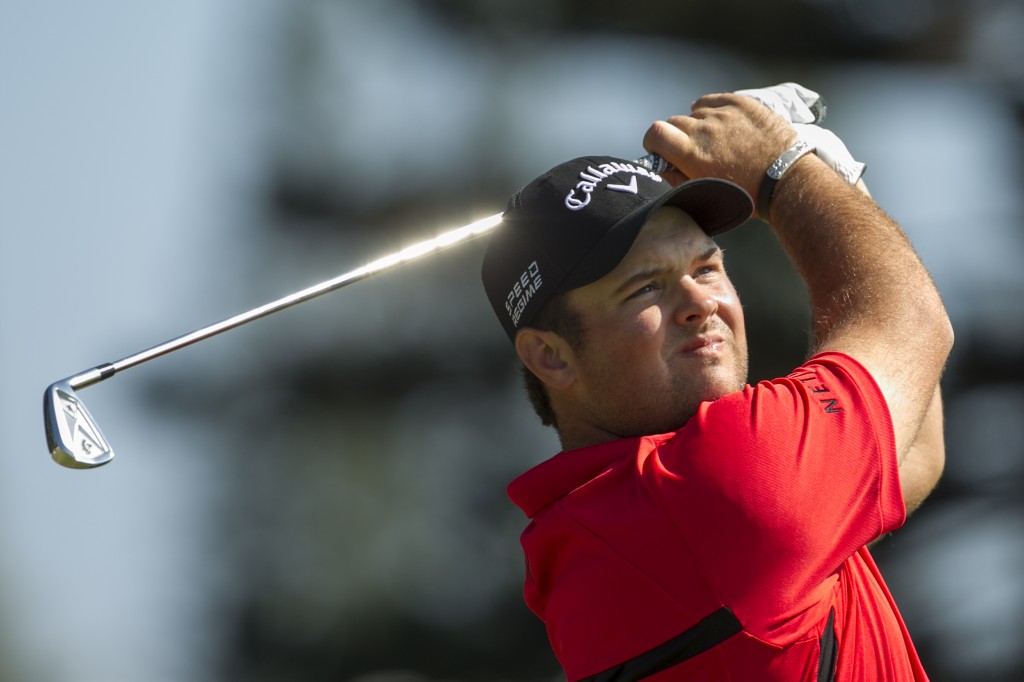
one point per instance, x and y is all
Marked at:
(727, 136)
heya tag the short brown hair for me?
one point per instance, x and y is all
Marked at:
(560, 317)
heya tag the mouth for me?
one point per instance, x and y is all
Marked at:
(703, 346)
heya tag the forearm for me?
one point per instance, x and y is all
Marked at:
(858, 265)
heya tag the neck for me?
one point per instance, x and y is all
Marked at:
(574, 435)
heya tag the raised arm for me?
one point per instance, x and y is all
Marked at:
(870, 295)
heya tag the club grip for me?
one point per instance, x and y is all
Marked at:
(654, 163)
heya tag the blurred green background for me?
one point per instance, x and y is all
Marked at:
(320, 495)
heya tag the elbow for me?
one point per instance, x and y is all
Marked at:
(946, 333)
(940, 331)
(941, 342)
(924, 480)
(920, 472)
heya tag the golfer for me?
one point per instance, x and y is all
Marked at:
(694, 526)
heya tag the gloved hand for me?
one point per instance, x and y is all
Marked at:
(804, 109)
(791, 101)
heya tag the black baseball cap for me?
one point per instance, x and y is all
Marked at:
(572, 225)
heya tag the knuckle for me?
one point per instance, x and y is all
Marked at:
(656, 133)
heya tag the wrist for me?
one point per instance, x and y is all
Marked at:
(776, 171)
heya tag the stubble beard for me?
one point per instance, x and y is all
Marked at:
(718, 377)
(637, 412)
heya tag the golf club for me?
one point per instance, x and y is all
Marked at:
(72, 435)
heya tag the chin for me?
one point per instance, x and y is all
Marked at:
(720, 392)
(719, 386)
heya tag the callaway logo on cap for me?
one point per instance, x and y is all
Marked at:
(572, 225)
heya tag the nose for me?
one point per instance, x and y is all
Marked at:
(695, 304)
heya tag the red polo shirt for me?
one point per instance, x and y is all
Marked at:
(754, 515)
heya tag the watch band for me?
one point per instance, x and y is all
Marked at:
(775, 172)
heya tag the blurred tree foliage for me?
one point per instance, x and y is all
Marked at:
(798, 30)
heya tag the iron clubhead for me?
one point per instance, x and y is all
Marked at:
(74, 439)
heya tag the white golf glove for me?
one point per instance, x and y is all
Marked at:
(804, 109)
(793, 102)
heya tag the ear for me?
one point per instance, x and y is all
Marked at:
(547, 355)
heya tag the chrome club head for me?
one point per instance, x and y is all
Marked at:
(72, 435)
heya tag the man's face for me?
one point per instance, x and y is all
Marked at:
(662, 332)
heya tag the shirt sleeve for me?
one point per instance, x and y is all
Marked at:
(781, 483)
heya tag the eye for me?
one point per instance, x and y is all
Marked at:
(706, 271)
(645, 289)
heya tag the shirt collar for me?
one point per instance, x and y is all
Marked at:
(555, 478)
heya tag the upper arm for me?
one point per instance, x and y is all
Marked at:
(907, 385)
(922, 464)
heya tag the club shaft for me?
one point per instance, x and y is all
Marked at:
(406, 255)
(442, 241)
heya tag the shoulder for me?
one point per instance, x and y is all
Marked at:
(829, 383)
(831, 401)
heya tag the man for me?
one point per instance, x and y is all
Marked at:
(695, 527)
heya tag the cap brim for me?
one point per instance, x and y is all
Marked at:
(717, 206)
